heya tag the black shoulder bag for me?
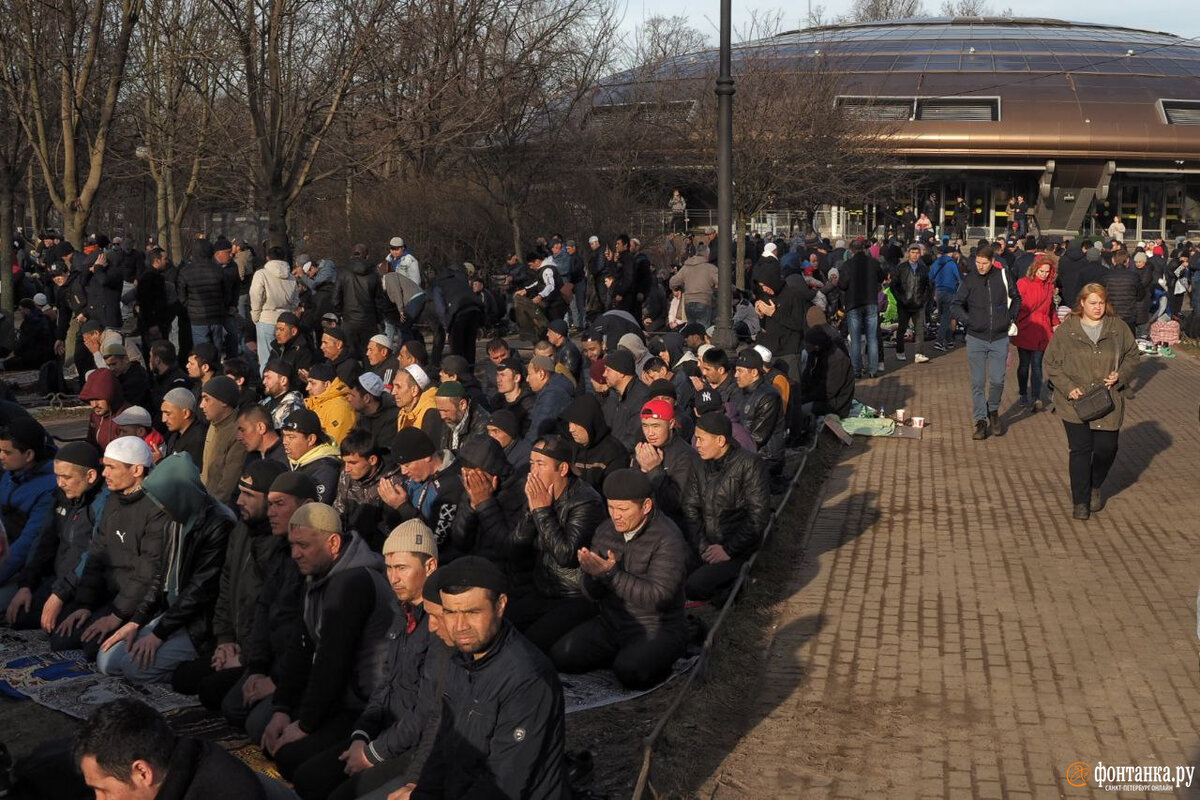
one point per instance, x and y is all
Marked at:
(1097, 402)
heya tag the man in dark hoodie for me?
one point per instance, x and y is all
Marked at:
(337, 660)
(359, 298)
(780, 305)
(122, 574)
(827, 385)
(598, 453)
(50, 578)
(207, 295)
(247, 558)
(182, 606)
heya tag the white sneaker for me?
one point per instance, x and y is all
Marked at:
(920, 358)
(880, 367)
(901, 357)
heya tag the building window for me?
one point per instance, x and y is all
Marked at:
(959, 109)
(1181, 112)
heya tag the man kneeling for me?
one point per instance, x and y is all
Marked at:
(635, 568)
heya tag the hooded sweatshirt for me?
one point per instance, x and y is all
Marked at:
(323, 464)
(334, 410)
(102, 384)
(273, 291)
(198, 530)
(603, 454)
(337, 659)
(698, 279)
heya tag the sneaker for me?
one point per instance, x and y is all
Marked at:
(879, 368)
(941, 348)
(901, 357)
(920, 358)
(981, 431)
(1038, 405)
(950, 345)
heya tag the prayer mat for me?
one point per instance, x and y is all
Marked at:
(601, 687)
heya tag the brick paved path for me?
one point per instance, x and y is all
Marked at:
(954, 633)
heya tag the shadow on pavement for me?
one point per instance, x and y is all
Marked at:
(1139, 444)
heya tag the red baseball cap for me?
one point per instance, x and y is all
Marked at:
(658, 409)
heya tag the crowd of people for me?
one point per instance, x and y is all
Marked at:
(309, 497)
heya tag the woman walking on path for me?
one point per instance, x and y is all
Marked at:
(1092, 348)
(1036, 322)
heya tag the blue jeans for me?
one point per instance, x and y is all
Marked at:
(174, 651)
(265, 334)
(1029, 372)
(944, 300)
(864, 320)
(576, 309)
(986, 361)
(698, 312)
(213, 334)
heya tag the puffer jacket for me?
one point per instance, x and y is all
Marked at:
(276, 612)
(984, 307)
(334, 410)
(644, 593)
(358, 294)
(1126, 293)
(556, 534)
(761, 411)
(273, 291)
(1070, 269)
(102, 285)
(1038, 316)
(337, 661)
(728, 502)
(1073, 361)
(197, 535)
(125, 561)
(27, 506)
(603, 454)
(323, 464)
(392, 722)
(63, 546)
(669, 479)
(247, 558)
(204, 289)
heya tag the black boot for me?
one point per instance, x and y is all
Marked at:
(1097, 501)
(995, 427)
(981, 431)
(1081, 511)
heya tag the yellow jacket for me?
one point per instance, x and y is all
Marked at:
(413, 419)
(334, 411)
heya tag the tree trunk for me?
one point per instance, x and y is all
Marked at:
(8, 194)
(514, 220)
(31, 205)
(74, 223)
(277, 214)
(166, 238)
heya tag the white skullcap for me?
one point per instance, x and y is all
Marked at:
(130, 450)
(418, 375)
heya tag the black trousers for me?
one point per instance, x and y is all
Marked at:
(640, 658)
(324, 776)
(1092, 453)
(74, 640)
(464, 332)
(917, 317)
(545, 620)
(333, 732)
(32, 619)
(708, 579)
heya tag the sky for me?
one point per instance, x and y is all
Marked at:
(1170, 16)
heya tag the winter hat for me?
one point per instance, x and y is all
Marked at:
(483, 452)
(452, 389)
(627, 484)
(260, 475)
(692, 329)
(558, 326)
(318, 516)
(181, 398)
(81, 454)
(504, 420)
(412, 536)
(633, 343)
(222, 244)
(1093, 254)
(620, 361)
(412, 444)
(295, 484)
(131, 450)
(223, 389)
(322, 371)
(40, 300)
(716, 423)
(663, 388)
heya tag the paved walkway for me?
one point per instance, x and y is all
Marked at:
(954, 633)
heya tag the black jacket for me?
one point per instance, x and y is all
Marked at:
(728, 502)
(761, 410)
(125, 562)
(197, 535)
(452, 296)
(247, 558)
(392, 722)
(324, 472)
(783, 331)
(381, 424)
(336, 661)
(644, 593)
(603, 454)
(556, 534)
(859, 278)
(488, 531)
(276, 612)
(154, 306)
(296, 352)
(200, 770)
(910, 287)
(828, 381)
(503, 727)
(190, 441)
(102, 285)
(1125, 292)
(135, 385)
(669, 479)
(358, 294)
(205, 291)
(623, 412)
(59, 553)
(982, 305)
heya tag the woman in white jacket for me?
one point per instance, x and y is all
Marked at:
(273, 291)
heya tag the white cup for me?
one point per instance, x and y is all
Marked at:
(918, 422)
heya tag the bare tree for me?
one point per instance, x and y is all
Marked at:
(660, 38)
(298, 63)
(67, 60)
(877, 10)
(972, 8)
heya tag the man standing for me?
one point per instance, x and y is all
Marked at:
(946, 279)
(520, 752)
(359, 299)
(203, 292)
(912, 290)
(986, 304)
(962, 218)
(860, 279)
(698, 279)
(273, 291)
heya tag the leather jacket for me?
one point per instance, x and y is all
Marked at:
(761, 410)
(728, 502)
(557, 533)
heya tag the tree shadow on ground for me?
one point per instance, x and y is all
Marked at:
(755, 669)
(1147, 369)
(1139, 444)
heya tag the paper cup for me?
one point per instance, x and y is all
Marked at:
(918, 422)
(901, 414)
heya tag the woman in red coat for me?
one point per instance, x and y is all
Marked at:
(1036, 321)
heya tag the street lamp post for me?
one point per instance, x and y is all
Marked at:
(724, 334)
